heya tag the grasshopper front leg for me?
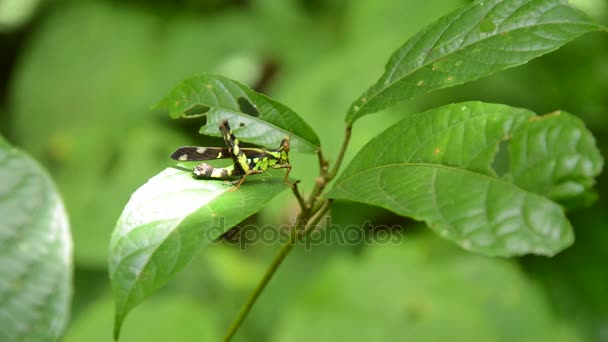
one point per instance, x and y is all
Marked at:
(284, 166)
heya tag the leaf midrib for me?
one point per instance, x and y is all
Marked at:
(436, 166)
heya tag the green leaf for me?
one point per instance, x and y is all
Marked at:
(167, 221)
(475, 41)
(437, 167)
(556, 156)
(253, 117)
(35, 252)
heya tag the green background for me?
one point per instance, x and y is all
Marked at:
(77, 82)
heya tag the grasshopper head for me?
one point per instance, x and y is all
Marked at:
(284, 148)
(285, 144)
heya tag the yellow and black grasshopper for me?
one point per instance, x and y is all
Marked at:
(246, 161)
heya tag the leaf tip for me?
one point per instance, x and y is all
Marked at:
(118, 319)
(158, 105)
(163, 105)
(120, 312)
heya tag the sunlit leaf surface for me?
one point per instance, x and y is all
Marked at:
(167, 221)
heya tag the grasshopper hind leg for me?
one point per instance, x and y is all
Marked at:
(204, 170)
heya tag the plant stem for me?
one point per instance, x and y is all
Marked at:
(296, 192)
(278, 259)
(322, 163)
(347, 132)
(320, 214)
(327, 176)
(311, 213)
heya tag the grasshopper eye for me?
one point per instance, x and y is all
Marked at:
(285, 144)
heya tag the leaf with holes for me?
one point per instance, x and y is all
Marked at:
(254, 117)
(479, 39)
(167, 221)
(438, 167)
(35, 252)
(556, 156)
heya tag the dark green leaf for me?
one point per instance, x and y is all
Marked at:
(167, 221)
(436, 167)
(35, 252)
(475, 41)
(254, 117)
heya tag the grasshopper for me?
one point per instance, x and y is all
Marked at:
(246, 161)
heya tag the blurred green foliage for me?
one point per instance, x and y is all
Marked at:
(444, 294)
(79, 77)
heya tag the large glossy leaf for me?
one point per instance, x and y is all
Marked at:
(35, 252)
(167, 221)
(437, 167)
(254, 117)
(481, 38)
